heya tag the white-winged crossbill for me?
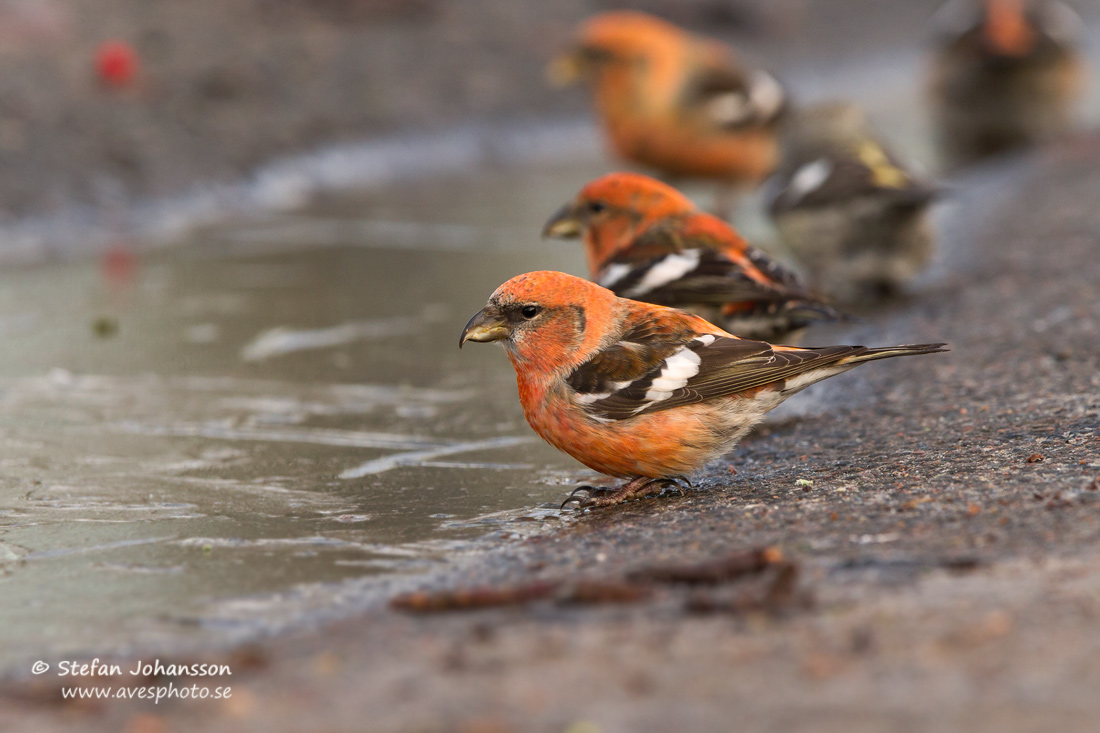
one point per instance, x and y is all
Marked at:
(639, 391)
(646, 241)
(854, 215)
(1005, 73)
(675, 102)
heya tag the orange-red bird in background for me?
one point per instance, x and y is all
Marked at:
(1006, 73)
(646, 241)
(680, 104)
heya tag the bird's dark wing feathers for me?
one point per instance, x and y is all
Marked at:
(631, 358)
(725, 96)
(660, 371)
(847, 178)
(728, 367)
(707, 277)
(776, 272)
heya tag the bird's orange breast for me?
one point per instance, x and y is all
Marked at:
(661, 444)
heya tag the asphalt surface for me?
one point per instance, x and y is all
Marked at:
(937, 519)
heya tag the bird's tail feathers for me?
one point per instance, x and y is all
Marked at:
(887, 352)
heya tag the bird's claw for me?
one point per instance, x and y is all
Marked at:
(603, 496)
(658, 487)
(675, 481)
(582, 501)
(571, 498)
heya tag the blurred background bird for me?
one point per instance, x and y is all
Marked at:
(639, 391)
(679, 104)
(1006, 73)
(854, 215)
(646, 241)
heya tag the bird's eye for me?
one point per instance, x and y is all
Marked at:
(529, 311)
(597, 206)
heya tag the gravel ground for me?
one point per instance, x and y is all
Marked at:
(940, 573)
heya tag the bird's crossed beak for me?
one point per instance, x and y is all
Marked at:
(564, 224)
(565, 70)
(486, 325)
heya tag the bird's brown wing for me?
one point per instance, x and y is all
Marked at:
(664, 364)
(824, 176)
(698, 260)
(659, 368)
(721, 96)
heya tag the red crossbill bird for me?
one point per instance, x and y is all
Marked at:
(847, 208)
(645, 240)
(640, 391)
(680, 104)
(1005, 74)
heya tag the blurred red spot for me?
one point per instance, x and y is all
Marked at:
(116, 63)
(119, 264)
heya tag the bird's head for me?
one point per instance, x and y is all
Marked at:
(610, 210)
(1007, 30)
(546, 320)
(609, 40)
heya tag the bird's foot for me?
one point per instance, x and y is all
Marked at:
(591, 492)
(675, 482)
(636, 488)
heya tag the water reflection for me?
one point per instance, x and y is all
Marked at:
(278, 405)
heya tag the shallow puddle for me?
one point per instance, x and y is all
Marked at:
(279, 403)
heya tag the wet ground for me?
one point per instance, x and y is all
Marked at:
(269, 429)
(277, 402)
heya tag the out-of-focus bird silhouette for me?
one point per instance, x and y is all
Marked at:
(1006, 73)
(851, 212)
(682, 105)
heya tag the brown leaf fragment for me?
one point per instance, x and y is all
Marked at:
(1058, 502)
(711, 572)
(464, 599)
(780, 594)
(595, 592)
(963, 564)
